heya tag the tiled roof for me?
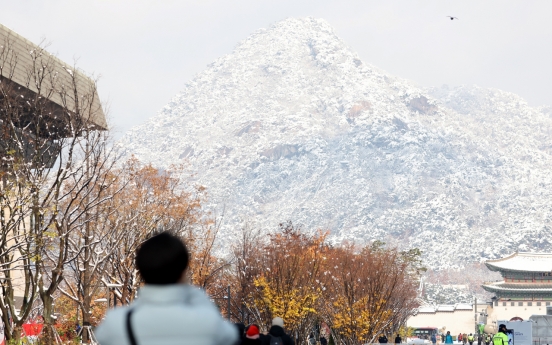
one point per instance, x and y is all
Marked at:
(522, 262)
(513, 287)
(461, 306)
(427, 310)
(444, 308)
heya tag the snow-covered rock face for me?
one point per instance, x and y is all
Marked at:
(293, 126)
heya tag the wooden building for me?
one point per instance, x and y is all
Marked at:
(527, 280)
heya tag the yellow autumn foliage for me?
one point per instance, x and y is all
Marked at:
(357, 319)
(292, 305)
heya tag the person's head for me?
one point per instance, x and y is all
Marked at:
(448, 332)
(502, 328)
(162, 259)
(278, 321)
(252, 332)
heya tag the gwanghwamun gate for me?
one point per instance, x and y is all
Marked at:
(526, 290)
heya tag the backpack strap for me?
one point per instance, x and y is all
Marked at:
(130, 333)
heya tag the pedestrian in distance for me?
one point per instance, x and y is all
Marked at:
(277, 335)
(448, 338)
(464, 338)
(433, 339)
(383, 339)
(459, 338)
(470, 339)
(168, 310)
(398, 339)
(487, 339)
(323, 340)
(252, 336)
(480, 339)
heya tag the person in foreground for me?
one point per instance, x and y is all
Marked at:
(501, 338)
(167, 311)
(277, 335)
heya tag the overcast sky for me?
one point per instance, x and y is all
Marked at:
(145, 51)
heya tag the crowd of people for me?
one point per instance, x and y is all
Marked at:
(462, 338)
(499, 338)
(168, 310)
(383, 339)
(470, 338)
(251, 335)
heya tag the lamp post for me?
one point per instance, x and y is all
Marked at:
(110, 286)
(475, 306)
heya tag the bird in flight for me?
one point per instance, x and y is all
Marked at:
(452, 18)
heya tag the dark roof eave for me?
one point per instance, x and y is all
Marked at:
(488, 288)
(493, 289)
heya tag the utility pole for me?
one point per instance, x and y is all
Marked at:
(228, 296)
(475, 307)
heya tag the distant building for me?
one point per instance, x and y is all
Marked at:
(526, 288)
(20, 73)
(456, 318)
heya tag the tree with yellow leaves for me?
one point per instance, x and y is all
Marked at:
(370, 291)
(359, 291)
(288, 284)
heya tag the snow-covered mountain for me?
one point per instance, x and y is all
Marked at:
(292, 125)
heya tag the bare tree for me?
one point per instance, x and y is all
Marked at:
(94, 239)
(54, 156)
(242, 273)
(152, 199)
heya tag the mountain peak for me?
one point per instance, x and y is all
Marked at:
(303, 25)
(285, 43)
(293, 126)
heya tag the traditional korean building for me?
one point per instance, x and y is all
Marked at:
(526, 288)
(527, 278)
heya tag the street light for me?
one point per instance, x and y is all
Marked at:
(110, 286)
